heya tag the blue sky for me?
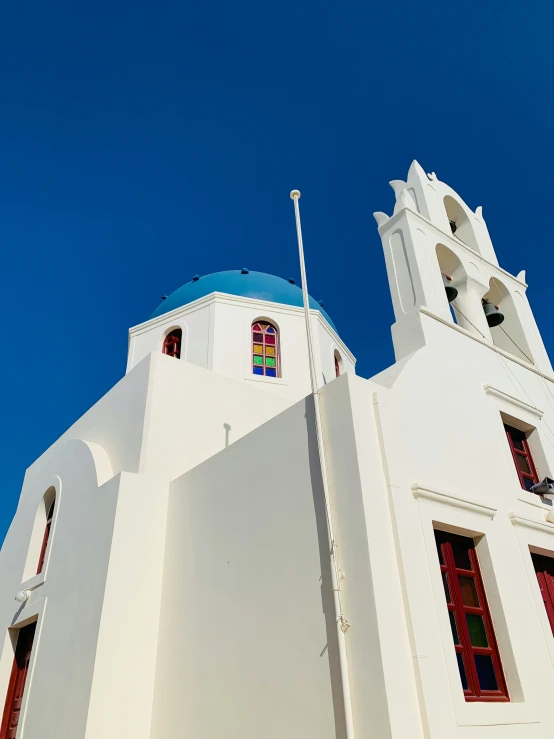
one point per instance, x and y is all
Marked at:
(142, 143)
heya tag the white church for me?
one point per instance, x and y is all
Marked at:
(213, 551)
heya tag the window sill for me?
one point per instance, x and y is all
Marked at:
(266, 380)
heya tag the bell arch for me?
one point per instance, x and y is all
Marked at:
(510, 334)
(459, 223)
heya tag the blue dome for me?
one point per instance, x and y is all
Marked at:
(257, 285)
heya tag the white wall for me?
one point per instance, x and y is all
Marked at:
(217, 336)
(243, 634)
(449, 465)
(67, 596)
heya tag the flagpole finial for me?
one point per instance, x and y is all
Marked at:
(294, 194)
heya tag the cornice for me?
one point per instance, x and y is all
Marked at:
(530, 523)
(488, 344)
(507, 398)
(456, 501)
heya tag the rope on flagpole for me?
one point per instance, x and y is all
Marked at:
(341, 621)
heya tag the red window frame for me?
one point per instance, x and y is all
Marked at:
(16, 686)
(45, 538)
(544, 569)
(172, 343)
(523, 459)
(265, 349)
(472, 630)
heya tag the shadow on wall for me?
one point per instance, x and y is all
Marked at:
(330, 649)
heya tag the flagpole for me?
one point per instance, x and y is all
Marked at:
(341, 621)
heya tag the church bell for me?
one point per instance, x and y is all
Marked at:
(451, 292)
(493, 315)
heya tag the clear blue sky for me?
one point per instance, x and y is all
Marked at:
(141, 143)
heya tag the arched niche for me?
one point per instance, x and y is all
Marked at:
(464, 229)
(509, 335)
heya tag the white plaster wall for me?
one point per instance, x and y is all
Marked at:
(443, 432)
(232, 345)
(243, 634)
(193, 413)
(196, 323)
(217, 336)
(67, 597)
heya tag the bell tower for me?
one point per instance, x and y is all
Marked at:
(441, 262)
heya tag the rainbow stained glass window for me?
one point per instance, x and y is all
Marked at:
(265, 349)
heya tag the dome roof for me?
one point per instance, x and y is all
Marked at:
(257, 285)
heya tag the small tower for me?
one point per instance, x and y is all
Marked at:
(434, 239)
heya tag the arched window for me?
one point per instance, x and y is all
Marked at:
(46, 537)
(172, 343)
(265, 349)
(338, 364)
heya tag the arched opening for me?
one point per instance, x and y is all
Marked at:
(460, 224)
(266, 359)
(508, 335)
(39, 544)
(338, 364)
(172, 343)
(46, 535)
(454, 279)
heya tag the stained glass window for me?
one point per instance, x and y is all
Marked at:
(265, 349)
(172, 343)
(472, 631)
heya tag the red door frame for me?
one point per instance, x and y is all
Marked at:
(18, 677)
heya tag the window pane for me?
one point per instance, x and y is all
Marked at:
(258, 349)
(469, 591)
(518, 444)
(271, 372)
(270, 361)
(477, 632)
(453, 627)
(522, 463)
(461, 667)
(485, 672)
(528, 483)
(270, 340)
(258, 360)
(258, 370)
(270, 330)
(256, 327)
(258, 337)
(446, 590)
(460, 550)
(270, 351)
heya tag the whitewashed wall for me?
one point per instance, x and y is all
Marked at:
(217, 336)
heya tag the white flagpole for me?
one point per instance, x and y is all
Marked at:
(342, 623)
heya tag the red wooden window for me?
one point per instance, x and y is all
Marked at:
(45, 538)
(265, 349)
(474, 641)
(172, 343)
(523, 460)
(16, 686)
(337, 366)
(544, 567)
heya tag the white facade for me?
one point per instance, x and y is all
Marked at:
(186, 589)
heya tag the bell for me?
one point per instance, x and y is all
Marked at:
(451, 292)
(453, 226)
(493, 315)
